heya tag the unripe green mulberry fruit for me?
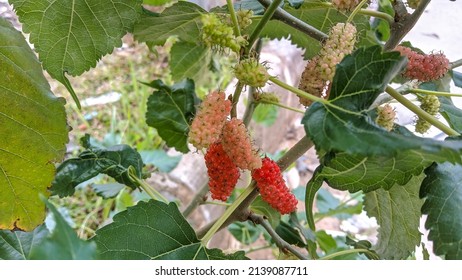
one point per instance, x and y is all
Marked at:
(267, 97)
(430, 104)
(386, 117)
(251, 73)
(217, 33)
(244, 18)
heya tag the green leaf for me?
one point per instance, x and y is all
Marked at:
(442, 190)
(317, 15)
(326, 242)
(380, 26)
(355, 173)
(114, 161)
(71, 36)
(312, 187)
(265, 114)
(244, 232)
(261, 207)
(290, 234)
(188, 60)
(329, 206)
(457, 78)
(33, 133)
(17, 245)
(153, 230)
(398, 214)
(160, 159)
(63, 243)
(182, 20)
(170, 110)
(108, 190)
(451, 113)
(359, 79)
(156, 2)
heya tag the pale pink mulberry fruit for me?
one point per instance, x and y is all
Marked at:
(237, 144)
(208, 123)
(424, 67)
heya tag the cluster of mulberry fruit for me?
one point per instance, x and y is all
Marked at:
(424, 67)
(272, 187)
(216, 33)
(321, 68)
(229, 149)
(244, 18)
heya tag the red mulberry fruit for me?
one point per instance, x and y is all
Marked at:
(272, 187)
(223, 173)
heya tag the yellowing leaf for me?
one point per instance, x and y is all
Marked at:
(33, 133)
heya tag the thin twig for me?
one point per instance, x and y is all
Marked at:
(197, 200)
(296, 23)
(282, 106)
(232, 13)
(281, 243)
(344, 252)
(263, 21)
(236, 96)
(455, 64)
(404, 22)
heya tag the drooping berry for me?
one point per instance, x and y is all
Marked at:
(430, 104)
(345, 5)
(208, 123)
(215, 33)
(251, 72)
(321, 68)
(386, 117)
(223, 173)
(413, 4)
(311, 82)
(422, 126)
(341, 41)
(237, 144)
(424, 67)
(272, 187)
